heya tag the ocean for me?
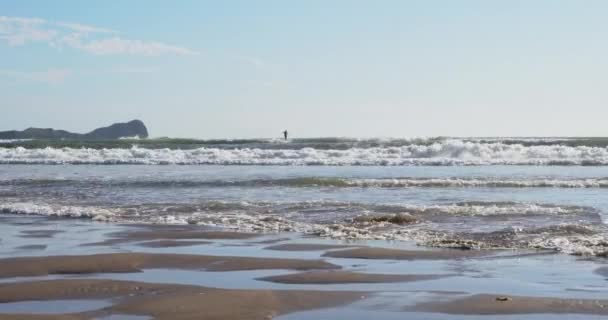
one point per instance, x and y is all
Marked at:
(474, 193)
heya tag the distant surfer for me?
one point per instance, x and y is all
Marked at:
(285, 134)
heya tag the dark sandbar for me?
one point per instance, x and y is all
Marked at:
(182, 234)
(485, 304)
(135, 262)
(170, 243)
(342, 277)
(169, 233)
(32, 247)
(603, 271)
(396, 254)
(270, 241)
(306, 247)
(39, 233)
(42, 317)
(179, 302)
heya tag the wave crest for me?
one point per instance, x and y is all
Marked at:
(449, 152)
(578, 233)
(305, 182)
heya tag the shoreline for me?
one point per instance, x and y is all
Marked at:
(257, 276)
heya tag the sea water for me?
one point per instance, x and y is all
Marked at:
(544, 193)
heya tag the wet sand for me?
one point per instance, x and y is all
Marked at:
(307, 247)
(106, 243)
(182, 234)
(342, 277)
(235, 304)
(32, 247)
(75, 289)
(160, 232)
(180, 302)
(135, 262)
(170, 243)
(41, 317)
(243, 276)
(488, 304)
(603, 271)
(396, 254)
(39, 233)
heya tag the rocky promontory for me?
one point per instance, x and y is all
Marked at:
(134, 128)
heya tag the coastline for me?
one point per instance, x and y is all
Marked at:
(183, 271)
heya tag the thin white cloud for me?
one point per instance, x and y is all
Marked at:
(50, 76)
(56, 76)
(17, 31)
(254, 61)
(22, 20)
(117, 45)
(83, 28)
(132, 70)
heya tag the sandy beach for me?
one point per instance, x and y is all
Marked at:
(192, 272)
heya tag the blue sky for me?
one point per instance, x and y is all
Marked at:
(227, 69)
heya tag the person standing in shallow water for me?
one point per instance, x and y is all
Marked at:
(285, 134)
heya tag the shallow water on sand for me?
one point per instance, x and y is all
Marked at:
(52, 306)
(358, 210)
(362, 314)
(504, 273)
(552, 207)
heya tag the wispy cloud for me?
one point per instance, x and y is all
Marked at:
(50, 76)
(254, 61)
(131, 70)
(56, 76)
(17, 31)
(117, 45)
(83, 28)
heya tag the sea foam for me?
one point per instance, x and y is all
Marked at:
(28, 208)
(448, 152)
(569, 237)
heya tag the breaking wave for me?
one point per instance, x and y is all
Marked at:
(304, 210)
(475, 182)
(28, 208)
(321, 143)
(449, 152)
(568, 229)
(325, 182)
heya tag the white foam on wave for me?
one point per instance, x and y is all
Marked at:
(243, 220)
(449, 152)
(577, 244)
(480, 182)
(229, 211)
(499, 209)
(580, 245)
(95, 213)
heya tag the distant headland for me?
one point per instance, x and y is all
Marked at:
(134, 128)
